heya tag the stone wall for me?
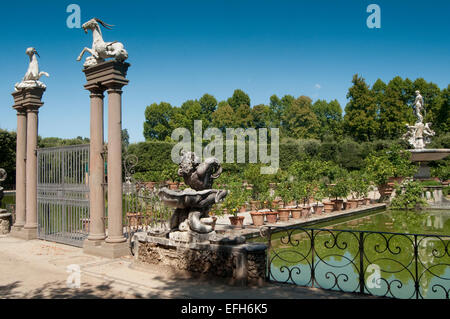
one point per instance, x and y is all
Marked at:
(242, 264)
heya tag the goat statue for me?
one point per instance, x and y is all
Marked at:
(100, 49)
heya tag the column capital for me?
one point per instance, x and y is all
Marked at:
(28, 98)
(115, 89)
(108, 74)
(20, 110)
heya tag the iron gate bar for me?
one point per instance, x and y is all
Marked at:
(63, 194)
(440, 257)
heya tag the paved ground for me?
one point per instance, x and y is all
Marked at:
(38, 269)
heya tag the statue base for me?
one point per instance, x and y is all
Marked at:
(239, 264)
(191, 237)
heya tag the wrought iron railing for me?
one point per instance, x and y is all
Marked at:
(143, 210)
(384, 264)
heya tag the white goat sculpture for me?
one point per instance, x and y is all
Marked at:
(32, 76)
(100, 49)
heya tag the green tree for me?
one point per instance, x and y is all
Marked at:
(394, 112)
(360, 120)
(443, 115)
(262, 116)
(239, 98)
(329, 116)
(243, 116)
(8, 157)
(299, 121)
(208, 105)
(157, 118)
(223, 117)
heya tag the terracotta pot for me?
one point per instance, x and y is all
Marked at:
(134, 218)
(397, 180)
(328, 207)
(367, 201)
(254, 205)
(173, 185)
(296, 213)
(284, 214)
(237, 221)
(306, 211)
(276, 203)
(150, 185)
(361, 201)
(386, 190)
(337, 204)
(271, 217)
(352, 203)
(257, 218)
(318, 210)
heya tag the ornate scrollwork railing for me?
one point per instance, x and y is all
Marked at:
(387, 264)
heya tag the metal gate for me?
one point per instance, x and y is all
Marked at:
(63, 194)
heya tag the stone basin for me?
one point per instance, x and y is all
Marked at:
(190, 198)
(427, 155)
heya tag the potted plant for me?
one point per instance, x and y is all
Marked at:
(318, 194)
(232, 203)
(284, 191)
(272, 212)
(170, 176)
(338, 191)
(258, 182)
(387, 168)
(354, 189)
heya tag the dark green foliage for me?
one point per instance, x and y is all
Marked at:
(8, 157)
(408, 196)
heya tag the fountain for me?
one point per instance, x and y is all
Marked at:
(418, 136)
(192, 244)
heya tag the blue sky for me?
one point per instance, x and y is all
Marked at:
(181, 49)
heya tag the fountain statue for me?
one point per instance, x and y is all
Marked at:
(192, 205)
(419, 134)
(32, 76)
(100, 49)
(5, 217)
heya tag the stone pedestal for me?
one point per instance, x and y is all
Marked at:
(5, 222)
(110, 76)
(239, 264)
(27, 101)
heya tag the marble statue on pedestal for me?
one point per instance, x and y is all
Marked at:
(101, 50)
(32, 76)
(419, 134)
(190, 218)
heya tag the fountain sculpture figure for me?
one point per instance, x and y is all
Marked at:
(193, 204)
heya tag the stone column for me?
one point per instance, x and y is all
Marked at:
(96, 166)
(109, 75)
(21, 148)
(27, 100)
(31, 170)
(115, 194)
